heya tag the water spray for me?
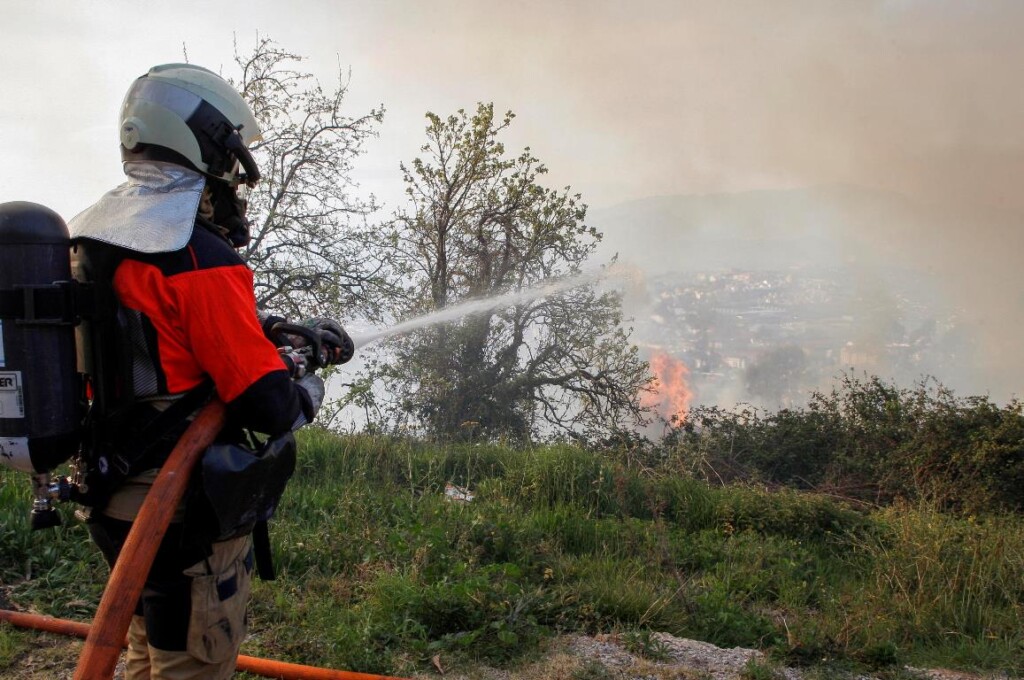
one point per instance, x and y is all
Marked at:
(459, 311)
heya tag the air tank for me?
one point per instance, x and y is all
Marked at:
(40, 397)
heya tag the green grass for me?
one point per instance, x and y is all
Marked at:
(12, 644)
(379, 572)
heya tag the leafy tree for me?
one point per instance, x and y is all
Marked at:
(479, 223)
(312, 250)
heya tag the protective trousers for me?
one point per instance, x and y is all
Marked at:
(190, 620)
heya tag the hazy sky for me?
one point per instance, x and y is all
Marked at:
(621, 100)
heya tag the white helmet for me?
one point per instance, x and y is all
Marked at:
(190, 116)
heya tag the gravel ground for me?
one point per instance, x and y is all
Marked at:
(700, 657)
(576, 657)
(605, 657)
(691, 658)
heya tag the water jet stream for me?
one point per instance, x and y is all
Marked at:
(458, 311)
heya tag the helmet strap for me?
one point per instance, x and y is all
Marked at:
(229, 213)
(236, 145)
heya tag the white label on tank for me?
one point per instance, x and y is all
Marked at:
(12, 399)
(2, 364)
(14, 453)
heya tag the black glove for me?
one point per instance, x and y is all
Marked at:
(267, 322)
(333, 338)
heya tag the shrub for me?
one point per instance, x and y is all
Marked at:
(867, 440)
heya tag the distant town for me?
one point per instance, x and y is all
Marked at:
(770, 337)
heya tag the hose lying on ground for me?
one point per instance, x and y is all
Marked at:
(250, 664)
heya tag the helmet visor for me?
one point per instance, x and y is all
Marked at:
(175, 99)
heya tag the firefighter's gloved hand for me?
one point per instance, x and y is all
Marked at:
(312, 396)
(340, 347)
(267, 322)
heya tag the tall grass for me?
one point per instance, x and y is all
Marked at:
(379, 571)
(945, 579)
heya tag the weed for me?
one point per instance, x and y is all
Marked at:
(646, 644)
(593, 670)
(12, 645)
(755, 669)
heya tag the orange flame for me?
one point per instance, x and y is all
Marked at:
(671, 395)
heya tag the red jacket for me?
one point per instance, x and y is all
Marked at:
(191, 313)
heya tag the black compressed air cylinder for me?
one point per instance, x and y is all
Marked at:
(40, 400)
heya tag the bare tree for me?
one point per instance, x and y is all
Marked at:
(478, 223)
(312, 250)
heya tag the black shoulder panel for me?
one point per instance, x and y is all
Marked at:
(205, 250)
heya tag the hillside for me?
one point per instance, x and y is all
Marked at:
(381, 570)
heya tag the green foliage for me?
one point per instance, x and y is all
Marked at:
(868, 440)
(56, 569)
(379, 571)
(938, 574)
(728, 619)
(486, 614)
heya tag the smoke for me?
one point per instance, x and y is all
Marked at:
(907, 111)
(904, 115)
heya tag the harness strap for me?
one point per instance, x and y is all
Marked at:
(169, 419)
(108, 462)
(172, 416)
(58, 303)
(261, 550)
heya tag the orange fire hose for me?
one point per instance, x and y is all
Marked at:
(47, 623)
(250, 664)
(106, 636)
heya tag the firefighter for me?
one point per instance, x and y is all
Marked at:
(186, 322)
